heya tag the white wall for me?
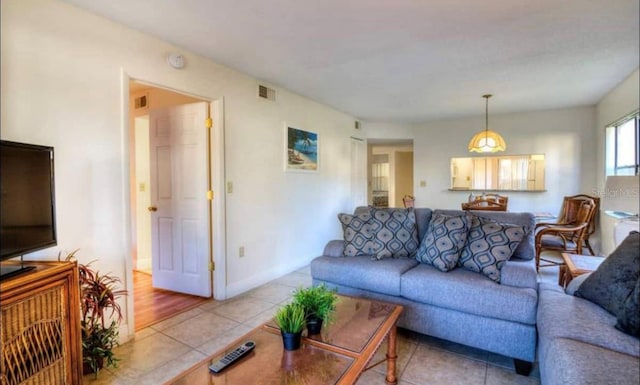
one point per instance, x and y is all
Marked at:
(619, 102)
(62, 85)
(566, 137)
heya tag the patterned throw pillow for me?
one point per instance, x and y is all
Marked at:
(489, 245)
(394, 231)
(614, 284)
(357, 235)
(443, 241)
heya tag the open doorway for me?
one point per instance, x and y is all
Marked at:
(158, 293)
(390, 172)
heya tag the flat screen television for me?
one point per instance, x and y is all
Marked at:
(27, 202)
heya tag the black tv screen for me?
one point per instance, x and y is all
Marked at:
(27, 206)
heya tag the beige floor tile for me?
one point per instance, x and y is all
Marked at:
(105, 377)
(405, 347)
(171, 369)
(501, 376)
(272, 293)
(201, 328)
(304, 270)
(295, 280)
(453, 347)
(221, 341)
(242, 309)
(371, 378)
(146, 354)
(146, 332)
(187, 315)
(210, 305)
(434, 366)
(263, 317)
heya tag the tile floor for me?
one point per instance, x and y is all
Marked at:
(162, 351)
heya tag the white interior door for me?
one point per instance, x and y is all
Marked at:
(179, 207)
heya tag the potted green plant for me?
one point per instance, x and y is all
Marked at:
(290, 319)
(319, 303)
(101, 315)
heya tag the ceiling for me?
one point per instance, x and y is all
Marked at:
(407, 61)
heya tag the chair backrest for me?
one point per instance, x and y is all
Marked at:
(408, 201)
(490, 202)
(584, 215)
(570, 207)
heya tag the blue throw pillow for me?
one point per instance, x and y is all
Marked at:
(489, 245)
(614, 284)
(444, 240)
(357, 234)
(394, 231)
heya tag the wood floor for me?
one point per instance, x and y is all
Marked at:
(154, 305)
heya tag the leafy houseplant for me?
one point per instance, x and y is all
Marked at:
(319, 303)
(98, 296)
(290, 319)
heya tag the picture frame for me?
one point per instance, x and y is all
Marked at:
(301, 150)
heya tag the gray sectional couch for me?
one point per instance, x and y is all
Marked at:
(578, 343)
(459, 305)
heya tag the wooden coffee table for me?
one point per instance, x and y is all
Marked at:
(339, 355)
(575, 265)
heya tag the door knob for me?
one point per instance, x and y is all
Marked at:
(152, 208)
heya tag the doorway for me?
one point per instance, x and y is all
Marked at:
(150, 105)
(390, 172)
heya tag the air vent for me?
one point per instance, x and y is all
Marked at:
(140, 102)
(266, 92)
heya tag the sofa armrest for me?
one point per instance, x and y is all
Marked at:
(519, 272)
(334, 248)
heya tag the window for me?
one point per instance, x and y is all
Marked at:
(622, 155)
(499, 173)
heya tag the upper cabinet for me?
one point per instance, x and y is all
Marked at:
(498, 173)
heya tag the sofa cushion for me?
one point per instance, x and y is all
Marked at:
(377, 276)
(489, 245)
(445, 238)
(394, 232)
(629, 316)
(357, 234)
(566, 316)
(569, 362)
(469, 292)
(615, 279)
(526, 249)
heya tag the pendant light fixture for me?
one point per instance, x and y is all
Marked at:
(487, 140)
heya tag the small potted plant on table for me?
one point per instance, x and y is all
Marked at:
(319, 303)
(290, 319)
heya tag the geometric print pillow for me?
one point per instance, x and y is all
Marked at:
(357, 235)
(489, 245)
(394, 232)
(444, 240)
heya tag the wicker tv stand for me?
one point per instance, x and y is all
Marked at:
(40, 337)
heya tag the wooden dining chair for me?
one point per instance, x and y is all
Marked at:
(568, 237)
(408, 201)
(487, 202)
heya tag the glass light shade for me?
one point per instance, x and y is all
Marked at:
(487, 141)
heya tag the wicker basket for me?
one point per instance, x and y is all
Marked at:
(32, 340)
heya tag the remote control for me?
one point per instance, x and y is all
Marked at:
(232, 357)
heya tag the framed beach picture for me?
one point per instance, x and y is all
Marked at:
(301, 150)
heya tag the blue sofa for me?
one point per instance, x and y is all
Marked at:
(579, 344)
(459, 305)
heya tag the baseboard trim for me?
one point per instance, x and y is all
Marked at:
(260, 279)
